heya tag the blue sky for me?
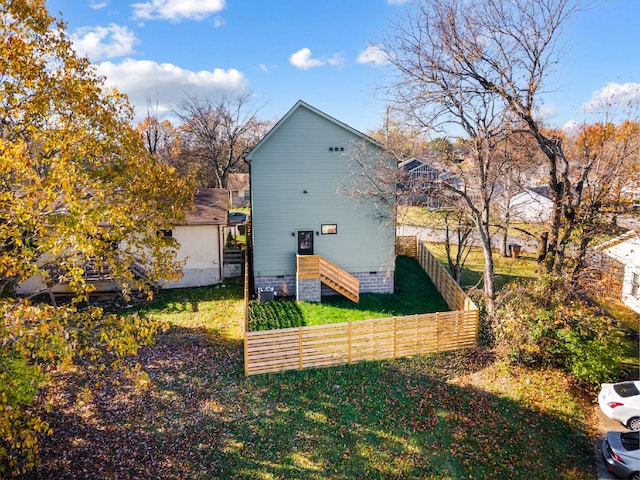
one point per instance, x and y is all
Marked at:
(318, 51)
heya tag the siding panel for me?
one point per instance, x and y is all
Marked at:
(296, 158)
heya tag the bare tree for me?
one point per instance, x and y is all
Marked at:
(522, 160)
(457, 223)
(399, 138)
(434, 88)
(482, 65)
(160, 137)
(219, 134)
(373, 180)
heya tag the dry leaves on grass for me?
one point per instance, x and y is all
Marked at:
(164, 430)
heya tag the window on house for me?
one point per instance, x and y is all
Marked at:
(166, 233)
(329, 229)
(635, 284)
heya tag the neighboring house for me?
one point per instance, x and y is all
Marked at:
(625, 249)
(529, 205)
(201, 239)
(296, 210)
(238, 186)
(420, 184)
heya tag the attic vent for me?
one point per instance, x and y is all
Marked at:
(336, 149)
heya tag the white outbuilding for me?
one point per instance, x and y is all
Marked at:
(626, 250)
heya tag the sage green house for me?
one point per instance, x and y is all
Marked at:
(301, 173)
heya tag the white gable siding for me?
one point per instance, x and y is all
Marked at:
(200, 245)
(296, 158)
(529, 206)
(627, 252)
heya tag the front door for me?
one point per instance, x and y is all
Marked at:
(305, 242)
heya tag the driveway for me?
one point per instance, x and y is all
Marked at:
(605, 424)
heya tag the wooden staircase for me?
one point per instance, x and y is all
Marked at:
(315, 266)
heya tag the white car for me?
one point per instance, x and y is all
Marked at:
(621, 402)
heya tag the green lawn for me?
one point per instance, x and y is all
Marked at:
(415, 293)
(423, 217)
(506, 269)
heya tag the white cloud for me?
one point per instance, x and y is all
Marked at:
(614, 94)
(571, 126)
(397, 2)
(302, 60)
(373, 54)
(336, 60)
(103, 42)
(218, 22)
(267, 68)
(176, 10)
(97, 5)
(167, 84)
(545, 111)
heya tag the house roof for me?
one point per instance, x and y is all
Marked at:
(411, 164)
(301, 104)
(625, 248)
(238, 181)
(542, 191)
(210, 207)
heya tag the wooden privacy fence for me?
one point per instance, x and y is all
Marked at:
(452, 293)
(377, 339)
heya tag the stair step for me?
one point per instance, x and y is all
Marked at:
(350, 294)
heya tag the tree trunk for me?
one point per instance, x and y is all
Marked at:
(504, 251)
(542, 253)
(482, 219)
(489, 276)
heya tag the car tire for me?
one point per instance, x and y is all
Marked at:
(635, 476)
(634, 424)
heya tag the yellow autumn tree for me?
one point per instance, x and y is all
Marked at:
(78, 193)
(605, 161)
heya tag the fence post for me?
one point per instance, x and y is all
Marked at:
(246, 354)
(246, 315)
(349, 344)
(437, 333)
(395, 339)
(300, 346)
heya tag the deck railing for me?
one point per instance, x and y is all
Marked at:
(315, 266)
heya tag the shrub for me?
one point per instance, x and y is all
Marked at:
(539, 323)
(274, 315)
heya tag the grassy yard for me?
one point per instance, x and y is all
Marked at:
(448, 416)
(423, 217)
(415, 293)
(506, 269)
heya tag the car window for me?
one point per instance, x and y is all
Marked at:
(626, 389)
(630, 440)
